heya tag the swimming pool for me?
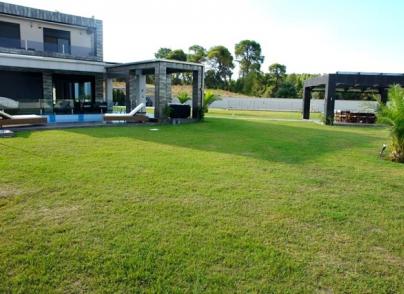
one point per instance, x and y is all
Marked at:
(74, 118)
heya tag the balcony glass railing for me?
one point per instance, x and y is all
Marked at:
(29, 45)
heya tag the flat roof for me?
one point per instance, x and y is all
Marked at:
(154, 61)
(357, 79)
(47, 15)
(368, 73)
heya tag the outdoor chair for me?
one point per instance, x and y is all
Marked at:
(20, 120)
(132, 116)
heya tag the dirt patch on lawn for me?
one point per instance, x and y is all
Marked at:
(8, 192)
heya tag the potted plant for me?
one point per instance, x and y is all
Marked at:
(181, 110)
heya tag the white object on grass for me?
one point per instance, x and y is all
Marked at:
(132, 113)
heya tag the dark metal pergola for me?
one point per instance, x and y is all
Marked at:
(346, 81)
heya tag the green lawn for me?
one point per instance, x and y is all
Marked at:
(221, 206)
(259, 114)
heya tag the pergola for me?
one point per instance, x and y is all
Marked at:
(135, 75)
(346, 81)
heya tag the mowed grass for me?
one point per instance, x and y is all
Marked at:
(221, 206)
(259, 114)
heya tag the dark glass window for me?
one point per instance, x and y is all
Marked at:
(56, 41)
(10, 35)
(76, 88)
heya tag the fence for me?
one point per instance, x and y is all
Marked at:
(283, 104)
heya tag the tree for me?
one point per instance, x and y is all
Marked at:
(118, 97)
(212, 80)
(177, 54)
(249, 54)
(252, 84)
(393, 114)
(162, 53)
(277, 74)
(197, 54)
(286, 90)
(221, 61)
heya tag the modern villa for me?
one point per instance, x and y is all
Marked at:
(52, 63)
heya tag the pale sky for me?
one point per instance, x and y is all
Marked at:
(313, 36)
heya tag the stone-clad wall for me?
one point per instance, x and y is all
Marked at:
(57, 17)
(47, 85)
(99, 87)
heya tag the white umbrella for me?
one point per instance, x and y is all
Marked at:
(8, 103)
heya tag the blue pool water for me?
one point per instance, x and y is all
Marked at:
(74, 118)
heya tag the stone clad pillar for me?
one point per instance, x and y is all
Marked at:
(132, 91)
(137, 89)
(46, 104)
(169, 92)
(99, 88)
(109, 93)
(127, 94)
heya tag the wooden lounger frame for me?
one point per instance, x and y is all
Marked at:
(15, 120)
(23, 121)
(137, 118)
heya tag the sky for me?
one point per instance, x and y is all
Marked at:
(308, 36)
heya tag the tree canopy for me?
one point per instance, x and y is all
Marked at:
(221, 61)
(197, 54)
(167, 53)
(248, 53)
(162, 53)
(177, 54)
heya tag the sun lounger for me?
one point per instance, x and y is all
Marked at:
(132, 116)
(20, 120)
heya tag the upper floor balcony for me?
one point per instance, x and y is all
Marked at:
(59, 47)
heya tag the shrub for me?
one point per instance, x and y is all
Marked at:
(392, 114)
(208, 99)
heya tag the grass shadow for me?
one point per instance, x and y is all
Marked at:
(272, 141)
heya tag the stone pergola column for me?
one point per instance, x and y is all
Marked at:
(168, 86)
(132, 91)
(306, 102)
(127, 93)
(99, 88)
(329, 99)
(161, 97)
(109, 93)
(197, 95)
(47, 88)
(137, 89)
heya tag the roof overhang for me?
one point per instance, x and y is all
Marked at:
(149, 66)
(358, 80)
(49, 63)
